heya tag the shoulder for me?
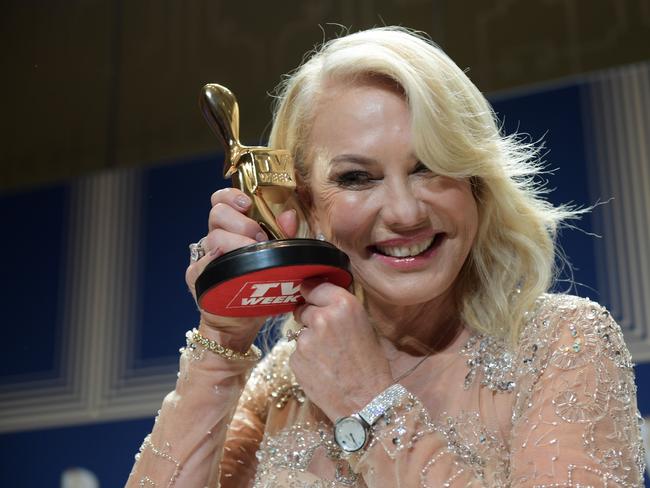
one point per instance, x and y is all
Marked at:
(565, 336)
(568, 327)
(561, 330)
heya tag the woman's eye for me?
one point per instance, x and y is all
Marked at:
(353, 178)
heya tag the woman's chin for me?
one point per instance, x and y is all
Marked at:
(406, 293)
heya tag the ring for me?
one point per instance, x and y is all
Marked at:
(196, 250)
(293, 335)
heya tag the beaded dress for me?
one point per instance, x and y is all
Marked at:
(559, 410)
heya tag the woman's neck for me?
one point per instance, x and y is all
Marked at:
(420, 329)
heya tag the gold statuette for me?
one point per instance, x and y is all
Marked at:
(266, 175)
(263, 278)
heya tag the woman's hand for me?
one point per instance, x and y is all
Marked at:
(228, 229)
(338, 360)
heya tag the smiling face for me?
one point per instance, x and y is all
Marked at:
(406, 230)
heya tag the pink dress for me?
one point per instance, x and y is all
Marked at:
(559, 410)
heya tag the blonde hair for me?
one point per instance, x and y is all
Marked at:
(456, 134)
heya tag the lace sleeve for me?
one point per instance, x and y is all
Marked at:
(575, 418)
(239, 461)
(192, 422)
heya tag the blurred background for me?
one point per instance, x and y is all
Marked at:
(106, 169)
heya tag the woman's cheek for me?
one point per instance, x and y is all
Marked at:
(464, 213)
(343, 214)
(466, 210)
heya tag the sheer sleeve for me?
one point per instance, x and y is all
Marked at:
(239, 461)
(575, 421)
(185, 446)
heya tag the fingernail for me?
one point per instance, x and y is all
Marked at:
(261, 237)
(242, 201)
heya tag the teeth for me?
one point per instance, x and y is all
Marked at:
(405, 251)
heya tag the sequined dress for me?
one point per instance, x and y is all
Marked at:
(557, 411)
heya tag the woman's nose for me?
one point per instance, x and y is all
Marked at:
(402, 208)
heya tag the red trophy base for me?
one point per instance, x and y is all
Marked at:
(264, 278)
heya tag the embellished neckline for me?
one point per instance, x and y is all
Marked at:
(493, 360)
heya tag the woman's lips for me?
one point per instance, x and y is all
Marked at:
(405, 253)
(404, 250)
(410, 240)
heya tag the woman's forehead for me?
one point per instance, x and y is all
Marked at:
(360, 119)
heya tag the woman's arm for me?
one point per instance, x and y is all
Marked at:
(186, 444)
(186, 447)
(578, 425)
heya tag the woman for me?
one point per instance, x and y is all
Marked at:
(450, 365)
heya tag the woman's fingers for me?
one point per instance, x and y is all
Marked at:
(223, 216)
(288, 220)
(233, 197)
(229, 206)
(225, 241)
(322, 293)
(299, 313)
(195, 269)
(215, 244)
(326, 305)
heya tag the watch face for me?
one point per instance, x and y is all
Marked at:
(350, 434)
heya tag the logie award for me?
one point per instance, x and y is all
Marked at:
(262, 278)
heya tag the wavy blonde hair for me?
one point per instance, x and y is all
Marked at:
(456, 133)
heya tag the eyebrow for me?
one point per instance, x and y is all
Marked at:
(353, 158)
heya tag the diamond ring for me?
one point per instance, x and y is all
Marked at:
(196, 250)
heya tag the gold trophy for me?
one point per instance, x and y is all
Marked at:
(262, 278)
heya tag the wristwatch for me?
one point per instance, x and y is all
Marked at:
(353, 433)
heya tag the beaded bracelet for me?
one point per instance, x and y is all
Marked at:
(253, 354)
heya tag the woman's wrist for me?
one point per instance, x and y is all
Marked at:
(238, 337)
(195, 338)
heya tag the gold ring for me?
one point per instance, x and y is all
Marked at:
(293, 335)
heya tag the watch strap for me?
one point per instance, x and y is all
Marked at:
(388, 398)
